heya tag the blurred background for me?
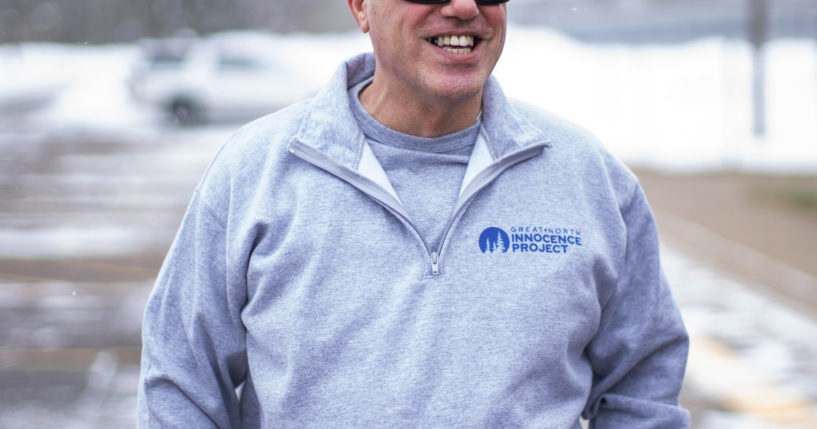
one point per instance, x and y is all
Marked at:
(110, 111)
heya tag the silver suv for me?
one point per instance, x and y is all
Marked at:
(226, 77)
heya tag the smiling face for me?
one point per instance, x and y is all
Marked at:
(432, 53)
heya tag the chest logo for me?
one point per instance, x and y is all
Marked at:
(494, 240)
(529, 239)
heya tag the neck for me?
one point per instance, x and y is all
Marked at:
(420, 116)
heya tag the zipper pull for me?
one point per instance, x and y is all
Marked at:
(435, 264)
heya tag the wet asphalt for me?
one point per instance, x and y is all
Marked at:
(85, 221)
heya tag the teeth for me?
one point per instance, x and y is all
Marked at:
(456, 41)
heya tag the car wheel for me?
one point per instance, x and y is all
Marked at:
(185, 112)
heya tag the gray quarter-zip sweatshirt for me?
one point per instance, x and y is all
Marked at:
(299, 294)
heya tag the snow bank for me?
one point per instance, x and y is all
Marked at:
(672, 107)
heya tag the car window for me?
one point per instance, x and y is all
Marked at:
(166, 54)
(238, 63)
(165, 60)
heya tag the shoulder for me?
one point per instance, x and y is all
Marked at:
(257, 147)
(578, 151)
(265, 136)
(562, 133)
(263, 139)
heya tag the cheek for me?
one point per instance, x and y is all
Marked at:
(498, 20)
(500, 46)
(499, 42)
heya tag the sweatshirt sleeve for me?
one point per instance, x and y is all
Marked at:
(639, 353)
(193, 351)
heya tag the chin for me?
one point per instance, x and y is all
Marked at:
(457, 89)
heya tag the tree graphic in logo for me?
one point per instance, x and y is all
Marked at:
(494, 240)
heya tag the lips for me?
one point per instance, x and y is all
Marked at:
(461, 45)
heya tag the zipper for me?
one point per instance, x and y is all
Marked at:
(376, 192)
(435, 264)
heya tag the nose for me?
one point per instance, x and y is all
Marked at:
(461, 9)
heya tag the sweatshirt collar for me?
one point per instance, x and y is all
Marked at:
(330, 126)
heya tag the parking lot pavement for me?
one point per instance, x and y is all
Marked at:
(85, 223)
(753, 360)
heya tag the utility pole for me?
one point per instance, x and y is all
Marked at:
(758, 36)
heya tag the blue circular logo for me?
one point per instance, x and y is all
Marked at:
(494, 240)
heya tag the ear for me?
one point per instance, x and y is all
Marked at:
(359, 12)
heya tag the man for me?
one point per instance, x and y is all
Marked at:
(410, 249)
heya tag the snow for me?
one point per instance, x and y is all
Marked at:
(673, 107)
(91, 79)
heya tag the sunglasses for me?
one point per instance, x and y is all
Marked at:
(479, 2)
